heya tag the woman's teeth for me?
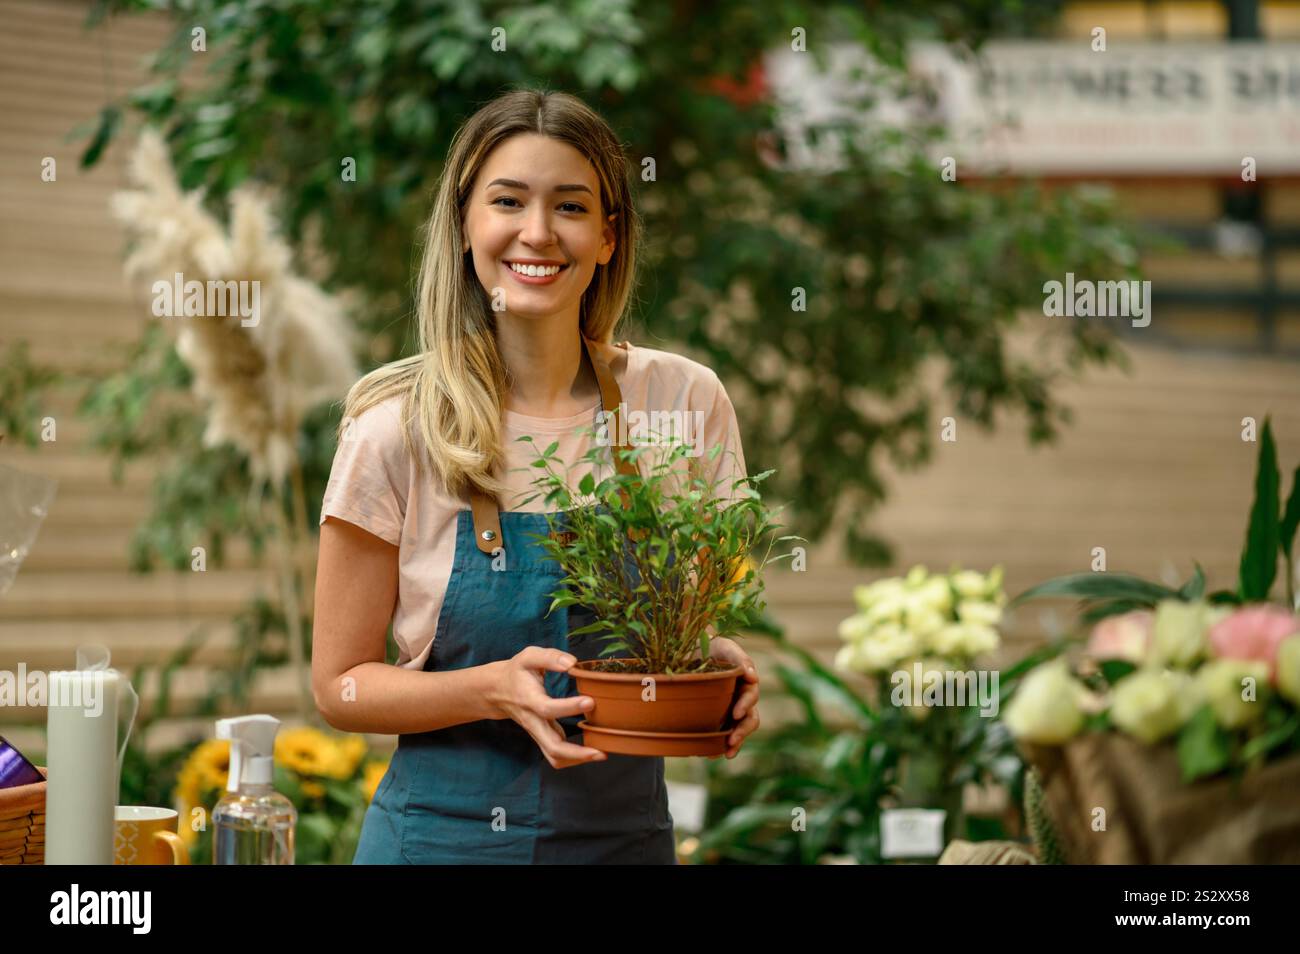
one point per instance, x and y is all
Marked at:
(536, 271)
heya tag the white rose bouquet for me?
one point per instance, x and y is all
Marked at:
(1174, 687)
(917, 636)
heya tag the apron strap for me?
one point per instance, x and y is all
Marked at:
(487, 520)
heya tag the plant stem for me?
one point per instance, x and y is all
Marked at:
(292, 612)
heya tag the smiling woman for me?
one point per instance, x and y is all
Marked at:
(528, 267)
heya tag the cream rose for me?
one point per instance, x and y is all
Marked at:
(1046, 706)
(1223, 683)
(1151, 703)
(1179, 633)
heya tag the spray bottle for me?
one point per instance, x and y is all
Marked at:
(253, 824)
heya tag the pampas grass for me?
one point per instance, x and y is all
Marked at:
(256, 382)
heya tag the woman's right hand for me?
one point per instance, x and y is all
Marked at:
(521, 695)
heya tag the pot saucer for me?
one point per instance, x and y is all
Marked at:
(638, 742)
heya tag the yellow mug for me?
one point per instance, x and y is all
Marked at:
(147, 836)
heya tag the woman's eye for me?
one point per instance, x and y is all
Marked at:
(567, 206)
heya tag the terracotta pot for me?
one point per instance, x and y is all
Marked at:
(685, 702)
(640, 742)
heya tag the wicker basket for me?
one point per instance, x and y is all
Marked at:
(22, 824)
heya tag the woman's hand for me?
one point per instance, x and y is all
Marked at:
(746, 711)
(520, 694)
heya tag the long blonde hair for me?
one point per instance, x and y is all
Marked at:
(453, 388)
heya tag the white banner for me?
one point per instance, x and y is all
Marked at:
(1061, 108)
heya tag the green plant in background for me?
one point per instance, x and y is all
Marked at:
(348, 108)
(22, 385)
(1217, 677)
(838, 766)
(687, 553)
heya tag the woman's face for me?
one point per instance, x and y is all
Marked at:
(536, 201)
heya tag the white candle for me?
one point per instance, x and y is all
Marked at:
(81, 761)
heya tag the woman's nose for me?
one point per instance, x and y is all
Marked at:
(537, 227)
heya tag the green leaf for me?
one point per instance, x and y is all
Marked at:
(1221, 597)
(1291, 519)
(1113, 670)
(1259, 556)
(110, 118)
(1267, 741)
(1194, 588)
(1203, 748)
(1099, 586)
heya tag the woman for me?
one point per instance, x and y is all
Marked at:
(527, 268)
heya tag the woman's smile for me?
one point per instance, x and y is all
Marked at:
(534, 271)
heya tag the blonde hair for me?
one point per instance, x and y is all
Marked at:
(453, 388)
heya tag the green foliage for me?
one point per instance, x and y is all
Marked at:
(1263, 536)
(22, 387)
(842, 762)
(686, 553)
(901, 269)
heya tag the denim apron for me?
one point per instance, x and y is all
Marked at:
(482, 792)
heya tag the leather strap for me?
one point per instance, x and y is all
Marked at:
(487, 518)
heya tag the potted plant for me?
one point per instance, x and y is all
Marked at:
(687, 576)
(1174, 737)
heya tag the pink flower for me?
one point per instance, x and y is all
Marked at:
(1253, 632)
(1125, 636)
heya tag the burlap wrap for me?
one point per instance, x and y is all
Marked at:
(1152, 817)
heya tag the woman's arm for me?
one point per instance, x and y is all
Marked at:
(356, 690)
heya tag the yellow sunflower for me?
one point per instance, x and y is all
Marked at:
(307, 751)
(373, 775)
(206, 769)
(352, 749)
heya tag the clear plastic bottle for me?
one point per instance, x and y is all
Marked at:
(253, 824)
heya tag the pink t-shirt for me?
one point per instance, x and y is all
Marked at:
(374, 484)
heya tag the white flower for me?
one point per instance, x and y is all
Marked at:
(883, 648)
(1046, 706)
(1288, 668)
(969, 584)
(1179, 633)
(964, 639)
(854, 628)
(923, 620)
(1151, 704)
(979, 611)
(1224, 685)
(867, 595)
(934, 593)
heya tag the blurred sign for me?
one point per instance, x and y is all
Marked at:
(1060, 108)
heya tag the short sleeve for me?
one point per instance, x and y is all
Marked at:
(721, 428)
(369, 478)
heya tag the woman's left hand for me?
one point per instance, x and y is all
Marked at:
(746, 710)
